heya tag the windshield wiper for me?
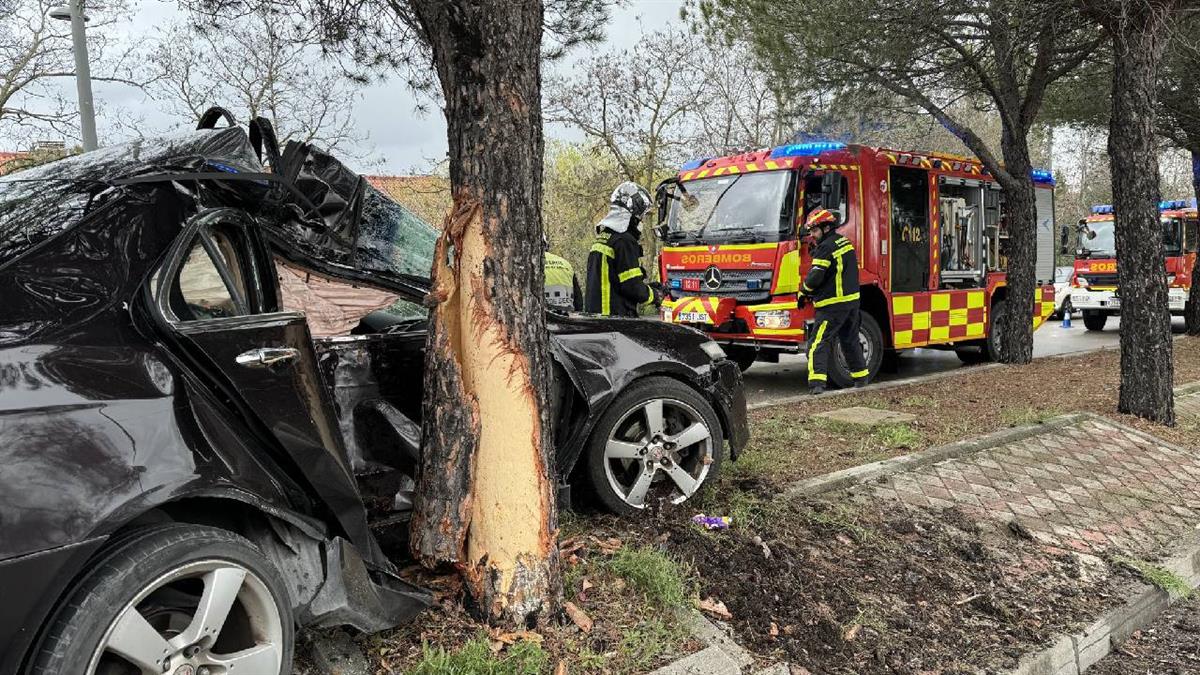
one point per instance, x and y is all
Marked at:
(716, 205)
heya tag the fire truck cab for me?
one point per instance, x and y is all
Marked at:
(930, 233)
(1094, 286)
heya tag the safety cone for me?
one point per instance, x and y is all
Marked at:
(1066, 322)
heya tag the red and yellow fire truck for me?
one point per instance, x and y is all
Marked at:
(929, 229)
(1094, 285)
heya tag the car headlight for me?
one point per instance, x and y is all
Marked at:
(713, 350)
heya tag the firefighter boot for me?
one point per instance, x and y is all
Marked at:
(816, 388)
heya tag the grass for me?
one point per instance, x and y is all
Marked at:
(839, 519)
(917, 401)
(1026, 415)
(1163, 579)
(896, 436)
(476, 658)
(642, 645)
(650, 572)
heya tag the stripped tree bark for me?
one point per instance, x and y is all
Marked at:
(485, 499)
(1139, 30)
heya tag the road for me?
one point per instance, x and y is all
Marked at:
(768, 381)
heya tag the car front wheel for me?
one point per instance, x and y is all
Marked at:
(174, 599)
(660, 441)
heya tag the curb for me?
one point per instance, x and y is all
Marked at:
(722, 656)
(1074, 653)
(876, 470)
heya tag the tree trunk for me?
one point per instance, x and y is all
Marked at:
(485, 500)
(1139, 37)
(1191, 312)
(1020, 208)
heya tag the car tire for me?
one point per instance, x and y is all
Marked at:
(744, 357)
(1094, 320)
(988, 350)
(871, 338)
(622, 450)
(157, 579)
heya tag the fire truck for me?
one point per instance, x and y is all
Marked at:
(1094, 285)
(930, 232)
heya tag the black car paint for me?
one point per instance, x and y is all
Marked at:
(107, 414)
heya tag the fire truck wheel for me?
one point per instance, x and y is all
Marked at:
(1094, 320)
(871, 339)
(744, 357)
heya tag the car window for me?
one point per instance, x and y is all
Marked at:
(211, 281)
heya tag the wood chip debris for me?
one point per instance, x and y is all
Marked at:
(579, 617)
(715, 607)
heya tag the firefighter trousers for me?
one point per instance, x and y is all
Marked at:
(838, 323)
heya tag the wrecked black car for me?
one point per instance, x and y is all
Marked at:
(210, 399)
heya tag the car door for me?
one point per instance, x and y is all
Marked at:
(216, 294)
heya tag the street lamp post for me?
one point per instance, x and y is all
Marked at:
(73, 12)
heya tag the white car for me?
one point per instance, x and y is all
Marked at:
(1062, 290)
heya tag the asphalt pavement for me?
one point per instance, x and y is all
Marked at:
(788, 378)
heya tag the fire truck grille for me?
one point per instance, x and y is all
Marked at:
(1100, 279)
(744, 285)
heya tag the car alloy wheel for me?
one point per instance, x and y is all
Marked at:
(662, 446)
(210, 617)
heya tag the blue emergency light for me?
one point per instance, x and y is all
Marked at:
(753, 284)
(1101, 209)
(694, 164)
(1174, 204)
(810, 149)
(1042, 176)
(677, 283)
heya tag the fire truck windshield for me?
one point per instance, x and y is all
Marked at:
(1098, 239)
(749, 207)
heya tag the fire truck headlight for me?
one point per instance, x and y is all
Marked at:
(773, 319)
(1170, 279)
(713, 350)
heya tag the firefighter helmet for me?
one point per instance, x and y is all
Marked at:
(628, 204)
(819, 217)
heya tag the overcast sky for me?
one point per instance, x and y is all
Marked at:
(405, 139)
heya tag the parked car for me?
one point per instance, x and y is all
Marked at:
(186, 473)
(1062, 290)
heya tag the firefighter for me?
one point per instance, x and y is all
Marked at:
(616, 282)
(562, 284)
(832, 283)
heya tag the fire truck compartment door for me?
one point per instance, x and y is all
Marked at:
(1046, 258)
(910, 229)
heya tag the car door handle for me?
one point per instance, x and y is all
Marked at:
(266, 356)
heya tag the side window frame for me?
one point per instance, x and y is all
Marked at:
(200, 230)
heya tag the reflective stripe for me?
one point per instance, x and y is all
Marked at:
(820, 262)
(630, 274)
(859, 374)
(843, 250)
(605, 285)
(604, 249)
(813, 375)
(835, 300)
(807, 289)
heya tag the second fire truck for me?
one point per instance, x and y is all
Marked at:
(1094, 286)
(930, 231)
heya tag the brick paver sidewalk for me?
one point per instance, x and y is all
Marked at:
(1093, 487)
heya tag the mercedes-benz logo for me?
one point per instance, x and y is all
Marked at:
(712, 278)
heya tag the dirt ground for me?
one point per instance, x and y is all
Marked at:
(1170, 646)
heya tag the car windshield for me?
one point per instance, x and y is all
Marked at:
(1063, 274)
(1098, 239)
(751, 207)
(393, 239)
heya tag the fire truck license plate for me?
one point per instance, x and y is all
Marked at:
(693, 317)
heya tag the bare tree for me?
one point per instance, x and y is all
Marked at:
(35, 57)
(273, 75)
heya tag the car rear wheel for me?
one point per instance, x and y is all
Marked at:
(178, 599)
(660, 441)
(871, 340)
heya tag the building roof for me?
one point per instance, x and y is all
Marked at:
(6, 157)
(426, 196)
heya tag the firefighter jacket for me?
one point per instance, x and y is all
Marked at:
(833, 277)
(616, 284)
(562, 286)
